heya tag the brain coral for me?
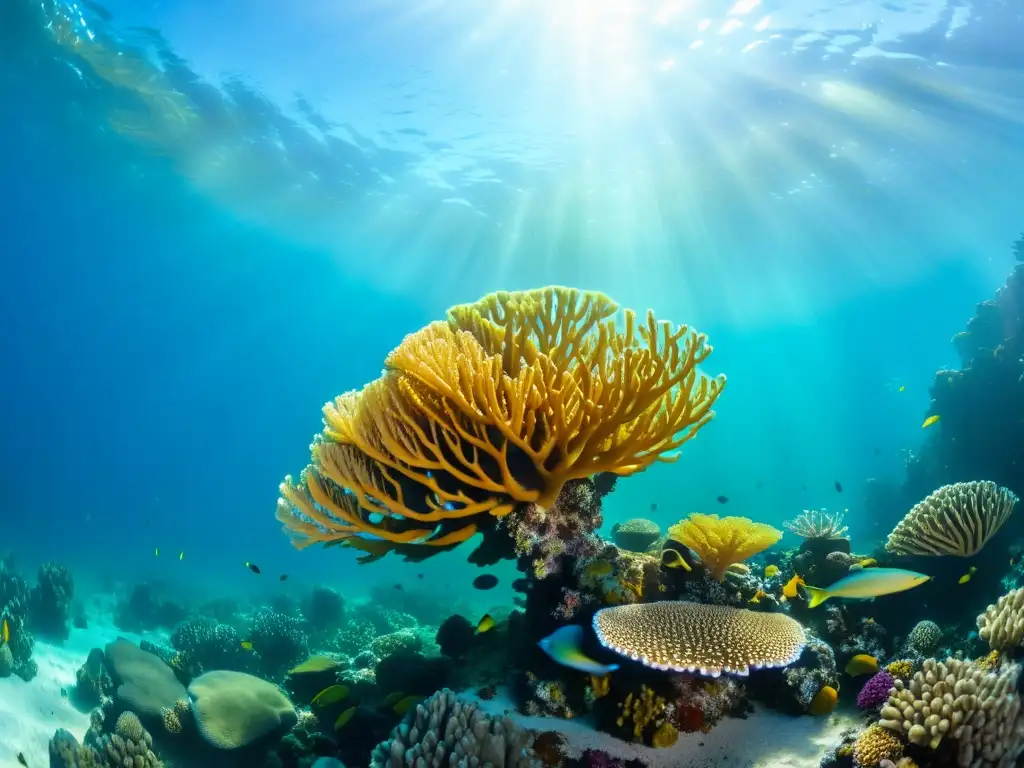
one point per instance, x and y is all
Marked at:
(1002, 624)
(956, 519)
(145, 684)
(233, 709)
(692, 637)
(636, 535)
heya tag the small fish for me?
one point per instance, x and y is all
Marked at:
(771, 570)
(284, 577)
(22, 760)
(902, 388)
(563, 646)
(247, 645)
(330, 695)
(871, 582)
(399, 587)
(343, 718)
(317, 663)
(419, 575)
(181, 555)
(671, 558)
(967, 576)
(486, 581)
(486, 624)
(5, 632)
(757, 596)
(252, 567)
(722, 499)
(862, 664)
(402, 706)
(156, 552)
(790, 590)
(929, 421)
(598, 568)
(392, 698)
(839, 487)
(867, 562)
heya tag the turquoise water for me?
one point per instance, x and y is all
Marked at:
(220, 215)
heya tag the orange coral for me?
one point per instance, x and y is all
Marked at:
(723, 542)
(500, 405)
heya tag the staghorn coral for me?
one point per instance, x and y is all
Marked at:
(722, 542)
(1002, 624)
(876, 744)
(817, 524)
(980, 710)
(709, 639)
(636, 535)
(500, 405)
(956, 519)
(446, 731)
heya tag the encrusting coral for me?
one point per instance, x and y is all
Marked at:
(723, 542)
(499, 405)
(691, 637)
(1002, 624)
(956, 519)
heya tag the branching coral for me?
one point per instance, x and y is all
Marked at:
(956, 519)
(722, 542)
(1002, 624)
(817, 524)
(499, 405)
(709, 639)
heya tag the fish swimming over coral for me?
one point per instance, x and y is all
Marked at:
(864, 584)
(563, 646)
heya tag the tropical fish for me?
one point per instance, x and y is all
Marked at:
(314, 664)
(252, 567)
(402, 706)
(757, 596)
(967, 576)
(722, 499)
(284, 577)
(343, 718)
(929, 421)
(824, 701)
(247, 645)
(156, 552)
(598, 568)
(181, 555)
(330, 695)
(392, 698)
(671, 558)
(771, 570)
(902, 388)
(486, 624)
(867, 562)
(5, 632)
(871, 582)
(563, 646)
(839, 487)
(486, 581)
(22, 760)
(790, 590)
(862, 664)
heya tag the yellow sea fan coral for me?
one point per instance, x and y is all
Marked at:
(956, 519)
(876, 744)
(693, 637)
(500, 405)
(723, 541)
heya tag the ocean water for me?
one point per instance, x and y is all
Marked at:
(220, 215)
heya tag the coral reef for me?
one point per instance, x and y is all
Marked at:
(636, 535)
(50, 602)
(817, 524)
(233, 709)
(279, 640)
(875, 692)
(144, 610)
(723, 542)
(1002, 624)
(203, 644)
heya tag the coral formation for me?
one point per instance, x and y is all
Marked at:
(279, 640)
(924, 638)
(50, 602)
(145, 683)
(956, 519)
(234, 709)
(1002, 624)
(875, 691)
(722, 542)
(92, 681)
(203, 644)
(691, 637)
(499, 405)
(876, 744)
(636, 535)
(817, 524)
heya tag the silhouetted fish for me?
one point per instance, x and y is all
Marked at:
(399, 587)
(839, 486)
(252, 567)
(486, 581)
(654, 506)
(284, 577)
(722, 499)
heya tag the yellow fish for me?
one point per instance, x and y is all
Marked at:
(871, 582)
(597, 569)
(343, 718)
(392, 698)
(867, 562)
(862, 664)
(486, 624)
(790, 590)
(330, 695)
(967, 576)
(671, 558)
(314, 664)
(824, 701)
(247, 645)
(757, 596)
(771, 570)
(930, 420)
(5, 632)
(401, 707)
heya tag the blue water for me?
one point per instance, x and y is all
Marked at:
(219, 215)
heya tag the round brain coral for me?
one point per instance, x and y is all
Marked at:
(692, 637)
(233, 709)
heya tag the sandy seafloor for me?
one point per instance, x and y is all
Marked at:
(31, 712)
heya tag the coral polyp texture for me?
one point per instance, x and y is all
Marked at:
(723, 542)
(817, 524)
(498, 405)
(693, 637)
(1002, 624)
(956, 519)
(636, 535)
(960, 700)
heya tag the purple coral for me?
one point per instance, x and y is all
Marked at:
(875, 691)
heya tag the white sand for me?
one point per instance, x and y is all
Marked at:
(31, 712)
(765, 739)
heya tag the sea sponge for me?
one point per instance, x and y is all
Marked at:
(233, 709)
(980, 710)
(956, 519)
(925, 637)
(1002, 624)
(722, 542)
(876, 744)
(636, 535)
(499, 405)
(691, 637)
(145, 684)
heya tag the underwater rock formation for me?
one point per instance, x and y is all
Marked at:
(204, 644)
(233, 709)
(50, 602)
